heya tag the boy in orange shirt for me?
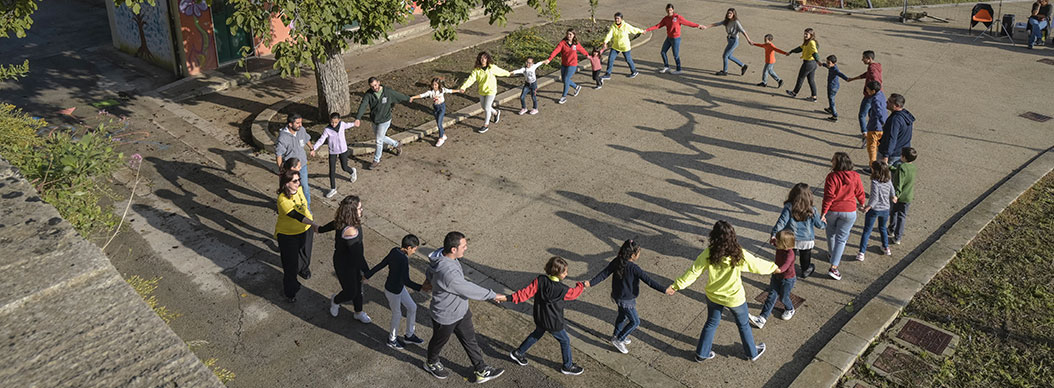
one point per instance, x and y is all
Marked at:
(770, 61)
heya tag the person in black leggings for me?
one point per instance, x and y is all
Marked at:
(810, 56)
(349, 261)
(293, 230)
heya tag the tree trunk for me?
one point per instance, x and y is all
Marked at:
(332, 80)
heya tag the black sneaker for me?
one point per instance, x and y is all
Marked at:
(574, 370)
(701, 359)
(743, 70)
(762, 84)
(722, 72)
(397, 150)
(487, 374)
(833, 119)
(520, 359)
(437, 370)
(497, 116)
(779, 83)
(483, 130)
(306, 274)
(396, 344)
(828, 110)
(792, 94)
(413, 339)
(808, 271)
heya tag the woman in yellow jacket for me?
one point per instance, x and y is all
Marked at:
(618, 35)
(486, 72)
(724, 261)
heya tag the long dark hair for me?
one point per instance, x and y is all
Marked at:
(479, 59)
(348, 213)
(735, 17)
(812, 36)
(628, 250)
(284, 178)
(800, 199)
(880, 171)
(723, 244)
(574, 40)
(841, 162)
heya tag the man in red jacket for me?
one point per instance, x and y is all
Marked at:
(673, 23)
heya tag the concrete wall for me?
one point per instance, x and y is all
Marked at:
(67, 318)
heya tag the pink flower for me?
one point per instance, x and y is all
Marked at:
(135, 161)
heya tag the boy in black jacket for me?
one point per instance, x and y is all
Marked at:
(398, 263)
(549, 297)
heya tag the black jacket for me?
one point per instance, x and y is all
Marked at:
(549, 298)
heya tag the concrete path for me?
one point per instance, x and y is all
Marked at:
(658, 158)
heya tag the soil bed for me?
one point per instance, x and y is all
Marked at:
(453, 68)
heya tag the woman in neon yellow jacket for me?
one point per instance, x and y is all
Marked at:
(618, 35)
(486, 73)
(724, 261)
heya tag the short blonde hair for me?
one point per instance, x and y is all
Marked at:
(785, 239)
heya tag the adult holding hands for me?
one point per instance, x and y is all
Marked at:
(568, 49)
(734, 28)
(673, 22)
(293, 230)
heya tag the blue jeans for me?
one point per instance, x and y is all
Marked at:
(303, 181)
(732, 43)
(869, 224)
(561, 337)
(769, 71)
(611, 61)
(532, 89)
(381, 131)
(626, 322)
(831, 92)
(865, 108)
(778, 288)
(839, 224)
(565, 75)
(440, 111)
(675, 43)
(1036, 34)
(713, 317)
(897, 217)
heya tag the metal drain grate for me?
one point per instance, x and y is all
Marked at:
(1048, 61)
(928, 338)
(797, 300)
(1035, 117)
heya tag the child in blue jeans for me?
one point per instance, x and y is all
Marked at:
(530, 84)
(877, 207)
(625, 287)
(780, 284)
(437, 94)
(833, 74)
(549, 297)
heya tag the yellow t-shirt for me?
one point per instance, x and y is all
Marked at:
(724, 284)
(288, 225)
(808, 49)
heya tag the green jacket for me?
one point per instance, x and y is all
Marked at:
(380, 107)
(904, 181)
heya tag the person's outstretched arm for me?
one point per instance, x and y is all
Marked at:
(524, 294)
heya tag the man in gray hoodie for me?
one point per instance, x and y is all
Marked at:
(449, 308)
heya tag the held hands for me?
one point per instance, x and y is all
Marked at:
(312, 153)
(895, 199)
(670, 290)
(357, 123)
(772, 240)
(426, 286)
(586, 283)
(500, 298)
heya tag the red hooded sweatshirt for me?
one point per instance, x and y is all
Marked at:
(842, 191)
(568, 56)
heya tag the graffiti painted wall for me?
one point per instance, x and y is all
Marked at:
(199, 40)
(146, 35)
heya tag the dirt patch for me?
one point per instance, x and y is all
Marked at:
(453, 68)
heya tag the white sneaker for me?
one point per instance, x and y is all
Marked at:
(664, 69)
(888, 252)
(534, 111)
(627, 341)
(761, 350)
(331, 193)
(522, 111)
(860, 256)
(354, 174)
(578, 89)
(756, 321)
(362, 317)
(497, 116)
(787, 315)
(562, 100)
(439, 143)
(334, 308)
(675, 72)
(621, 346)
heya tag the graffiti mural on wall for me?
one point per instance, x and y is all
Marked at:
(145, 35)
(199, 41)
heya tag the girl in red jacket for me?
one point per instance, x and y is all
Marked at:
(568, 49)
(843, 194)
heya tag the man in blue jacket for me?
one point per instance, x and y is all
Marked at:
(896, 133)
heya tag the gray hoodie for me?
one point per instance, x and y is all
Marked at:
(450, 290)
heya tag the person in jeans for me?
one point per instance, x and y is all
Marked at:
(530, 84)
(568, 49)
(290, 144)
(380, 100)
(724, 261)
(904, 189)
(486, 73)
(802, 217)
(897, 131)
(810, 56)
(625, 287)
(781, 284)
(338, 149)
(842, 193)
(673, 22)
(449, 309)
(438, 94)
(873, 73)
(770, 62)
(833, 74)
(398, 263)
(618, 35)
(877, 208)
(1038, 21)
(733, 28)
(549, 297)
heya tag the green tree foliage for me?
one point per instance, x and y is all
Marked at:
(16, 16)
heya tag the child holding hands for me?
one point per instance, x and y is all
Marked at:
(549, 297)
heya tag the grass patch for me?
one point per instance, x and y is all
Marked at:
(998, 296)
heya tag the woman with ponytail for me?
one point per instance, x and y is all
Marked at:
(624, 290)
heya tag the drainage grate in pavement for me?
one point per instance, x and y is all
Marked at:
(893, 360)
(1035, 116)
(925, 337)
(1048, 61)
(797, 300)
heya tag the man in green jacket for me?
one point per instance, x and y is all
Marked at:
(380, 100)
